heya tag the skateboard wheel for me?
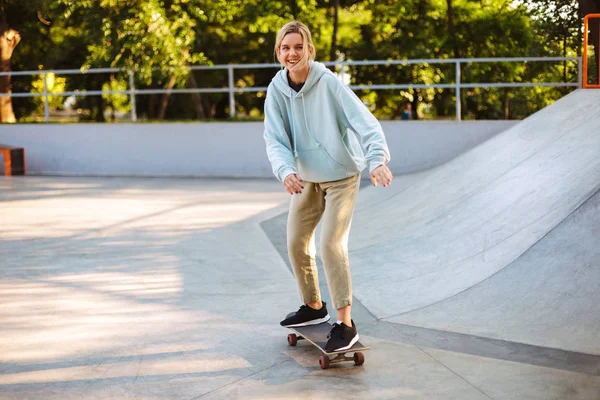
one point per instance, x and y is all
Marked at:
(324, 362)
(292, 339)
(359, 358)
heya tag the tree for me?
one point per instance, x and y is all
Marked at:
(244, 32)
(332, 52)
(18, 19)
(152, 37)
(160, 39)
(561, 22)
(9, 39)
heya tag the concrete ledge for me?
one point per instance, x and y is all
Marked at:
(216, 149)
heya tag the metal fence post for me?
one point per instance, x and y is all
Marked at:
(231, 94)
(132, 96)
(46, 105)
(458, 105)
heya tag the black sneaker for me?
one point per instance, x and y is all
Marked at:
(306, 316)
(341, 337)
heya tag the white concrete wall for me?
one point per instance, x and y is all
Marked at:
(226, 149)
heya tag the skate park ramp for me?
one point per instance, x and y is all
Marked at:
(502, 242)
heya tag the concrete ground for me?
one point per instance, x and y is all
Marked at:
(477, 279)
(125, 288)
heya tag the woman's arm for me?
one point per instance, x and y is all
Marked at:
(366, 126)
(277, 140)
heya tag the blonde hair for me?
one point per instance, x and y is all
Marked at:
(308, 49)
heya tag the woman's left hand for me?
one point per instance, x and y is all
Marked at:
(381, 175)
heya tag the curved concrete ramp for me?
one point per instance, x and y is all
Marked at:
(549, 296)
(435, 234)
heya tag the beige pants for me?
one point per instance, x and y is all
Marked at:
(334, 203)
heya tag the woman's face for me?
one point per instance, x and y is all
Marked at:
(291, 50)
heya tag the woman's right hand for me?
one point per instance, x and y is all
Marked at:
(293, 184)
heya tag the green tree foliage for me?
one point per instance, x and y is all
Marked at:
(54, 84)
(243, 32)
(158, 39)
(155, 38)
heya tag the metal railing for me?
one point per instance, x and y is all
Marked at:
(457, 85)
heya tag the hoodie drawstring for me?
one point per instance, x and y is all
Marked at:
(306, 122)
(307, 130)
(294, 133)
(292, 126)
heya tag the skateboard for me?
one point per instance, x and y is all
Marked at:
(317, 336)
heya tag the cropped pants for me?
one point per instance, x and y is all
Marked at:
(333, 203)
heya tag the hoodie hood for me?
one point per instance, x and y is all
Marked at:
(316, 71)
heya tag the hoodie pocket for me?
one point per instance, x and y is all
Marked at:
(316, 165)
(354, 151)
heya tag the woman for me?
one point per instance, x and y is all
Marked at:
(311, 125)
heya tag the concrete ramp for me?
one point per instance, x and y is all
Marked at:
(549, 296)
(433, 235)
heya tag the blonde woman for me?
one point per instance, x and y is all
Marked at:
(319, 137)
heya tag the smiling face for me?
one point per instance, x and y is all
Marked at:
(291, 53)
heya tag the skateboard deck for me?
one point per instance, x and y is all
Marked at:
(317, 336)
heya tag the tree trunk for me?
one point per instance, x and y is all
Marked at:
(9, 39)
(196, 98)
(111, 103)
(506, 104)
(565, 61)
(164, 99)
(100, 108)
(415, 105)
(454, 43)
(452, 29)
(151, 106)
(332, 52)
(294, 9)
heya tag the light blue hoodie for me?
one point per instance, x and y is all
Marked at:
(313, 132)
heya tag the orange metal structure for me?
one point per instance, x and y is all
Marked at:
(586, 20)
(14, 160)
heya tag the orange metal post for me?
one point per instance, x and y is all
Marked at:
(585, 55)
